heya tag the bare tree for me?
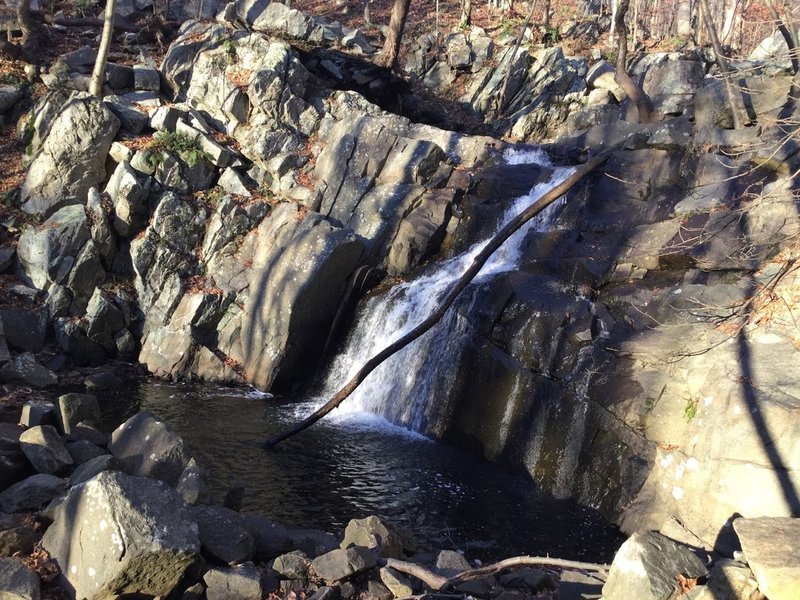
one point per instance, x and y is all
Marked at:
(466, 13)
(99, 73)
(789, 34)
(683, 18)
(397, 23)
(644, 106)
(731, 89)
(24, 20)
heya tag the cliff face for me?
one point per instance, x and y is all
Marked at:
(641, 356)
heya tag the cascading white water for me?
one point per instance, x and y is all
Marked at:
(404, 388)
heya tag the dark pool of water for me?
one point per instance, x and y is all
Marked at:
(351, 467)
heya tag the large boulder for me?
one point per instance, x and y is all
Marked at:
(770, 547)
(224, 534)
(13, 463)
(45, 449)
(149, 448)
(25, 328)
(31, 493)
(372, 532)
(25, 369)
(118, 535)
(71, 158)
(74, 408)
(289, 274)
(61, 257)
(647, 566)
(242, 582)
(18, 582)
(337, 565)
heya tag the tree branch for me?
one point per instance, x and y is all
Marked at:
(462, 282)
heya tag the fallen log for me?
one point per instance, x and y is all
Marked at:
(437, 583)
(480, 259)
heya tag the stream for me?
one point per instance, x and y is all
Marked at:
(368, 457)
(354, 465)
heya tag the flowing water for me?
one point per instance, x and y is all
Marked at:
(355, 463)
(408, 387)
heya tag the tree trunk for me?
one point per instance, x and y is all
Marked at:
(501, 100)
(644, 106)
(466, 13)
(791, 43)
(731, 89)
(683, 18)
(614, 5)
(462, 282)
(397, 23)
(99, 72)
(24, 20)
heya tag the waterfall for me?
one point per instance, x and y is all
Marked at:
(405, 387)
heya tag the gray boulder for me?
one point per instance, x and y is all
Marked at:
(87, 431)
(191, 484)
(45, 449)
(450, 563)
(104, 320)
(118, 535)
(31, 493)
(730, 580)
(72, 157)
(224, 534)
(397, 583)
(60, 256)
(337, 565)
(77, 408)
(770, 548)
(84, 451)
(673, 77)
(17, 582)
(646, 567)
(130, 200)
(25, 369)
(24, 328)
(132, 119)
(71, 338)
(9, 96)
(292, 565)
(38, 412)
(16, 536)
(13, 463)
(312, 542)
(93, 467)
(371, 532)
(242, 582)
(272, 539)
(149, 448)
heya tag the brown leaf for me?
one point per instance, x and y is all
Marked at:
(685, 583)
